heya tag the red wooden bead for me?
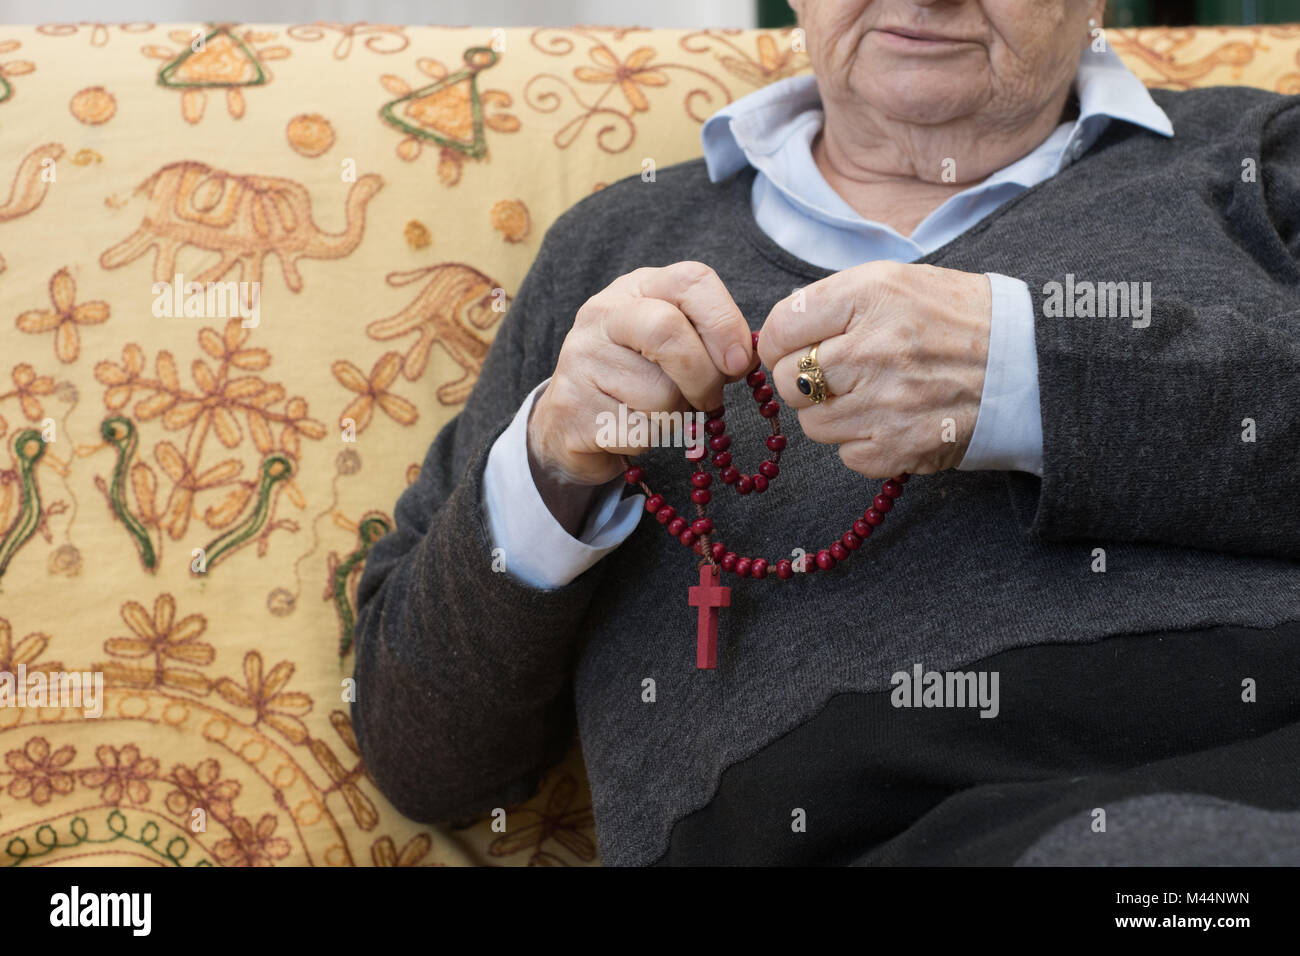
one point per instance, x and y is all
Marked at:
(768, 469)
(902, 479)
(688, 537)
(702, 525)
(755, 378)
(839, 552)
(753, 337)
(882, 503)
(775, 442)
(768, 409)
(716, 413)
(701, 479)
(715, 426)
(677, 526)
(744, 484)
(717, 549)
(743, 565)
(701, 496)
(862, 529)
(784, 570)
(873, 517)
(728, 561)
(809, 563)
(760, 483)
(763, 394)
(720, 442)
(722, 459)
(654, 503)
(665, 514)
(825, 560)
(892, 488)
(698, 547)
(851, 541)
(635, 474)
(730, 475)
(759, 568)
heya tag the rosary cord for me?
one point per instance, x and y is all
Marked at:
(707, 557)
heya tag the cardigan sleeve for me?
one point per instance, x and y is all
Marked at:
(1186, 432)
(463, 673)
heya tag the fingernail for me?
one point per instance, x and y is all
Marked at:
(737, 360)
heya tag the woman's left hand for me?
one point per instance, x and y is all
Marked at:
(903, 348)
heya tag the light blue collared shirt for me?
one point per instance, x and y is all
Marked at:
(772, 130)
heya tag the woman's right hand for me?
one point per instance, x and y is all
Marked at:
(657, 340)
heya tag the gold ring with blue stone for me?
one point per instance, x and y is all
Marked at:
(812, 380)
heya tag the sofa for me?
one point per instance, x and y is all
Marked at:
(189, 485)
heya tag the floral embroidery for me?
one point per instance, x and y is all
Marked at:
(343, 780)
(121, 773)
(773, 62)
(201, 787)
(373, 390)
(165, 639)
(24, 653)
(630, 75)
(28, 389)
(267, 697)
(252, 846)
(560, 821)
(38, 773)
(220, 399)
(383, 852)
(64, 318)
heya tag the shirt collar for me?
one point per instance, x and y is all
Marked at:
(758, 124)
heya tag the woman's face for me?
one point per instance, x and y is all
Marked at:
(932, 62)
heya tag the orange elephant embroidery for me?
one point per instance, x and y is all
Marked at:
(244, 218)
(456, 302)
(29, 188)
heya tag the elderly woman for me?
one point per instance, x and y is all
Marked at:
(980, 254)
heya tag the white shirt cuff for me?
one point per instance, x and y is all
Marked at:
(537, 550)
(1009, 430)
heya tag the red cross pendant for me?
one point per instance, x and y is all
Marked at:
(708, 596)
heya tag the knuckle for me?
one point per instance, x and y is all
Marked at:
(574, 344)
(596, 309)
(637, 275)
(660, 330)
(690, 272)
(882, 269)
(772, 339)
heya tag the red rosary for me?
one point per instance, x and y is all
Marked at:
(709, 595)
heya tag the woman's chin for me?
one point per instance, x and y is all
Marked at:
(902, 98)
